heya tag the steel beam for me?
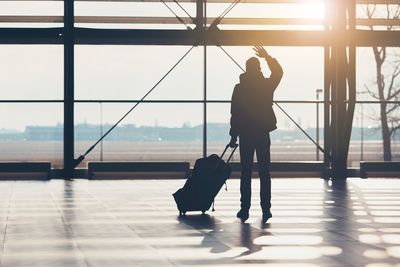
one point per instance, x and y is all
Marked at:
(210, 37)
(68, 36)
(31, 36)
(86, 36)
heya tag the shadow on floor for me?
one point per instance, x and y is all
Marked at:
(217, 234)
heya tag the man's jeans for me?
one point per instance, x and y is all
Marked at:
(261, 144)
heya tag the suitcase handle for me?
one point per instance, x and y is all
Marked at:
(231, 155)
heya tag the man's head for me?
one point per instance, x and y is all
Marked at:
(253, 65)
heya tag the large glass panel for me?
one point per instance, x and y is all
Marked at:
(152, 132)
(269, 16)
(31, 13)
(288, 142)
(31, 72)
(218, 116)
(303, 71)
(380, 109)
(128, 72)
(378, 16)
(366, 137)
(31, 132)
(134, 14)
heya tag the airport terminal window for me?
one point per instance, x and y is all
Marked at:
(266, 16)
(383, 15)
(34, 8)
(133, 14)
(135, 70)
(32, 14)
(31, 103)
(31, 72)
(294, 85)
(288, 143)
(218, 116)
(32, 132)
(367, 136)
(107, 77)
(128, 72)
(152, 132)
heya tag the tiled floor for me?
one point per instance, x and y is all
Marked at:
(135, 223)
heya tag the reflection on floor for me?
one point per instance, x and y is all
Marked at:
(135, 223)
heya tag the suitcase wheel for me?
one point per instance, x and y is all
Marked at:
(182, 213)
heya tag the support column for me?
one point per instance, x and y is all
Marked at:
(340, 159)
(327, 92)
(342, 85)
(68, 88)
(351, 76)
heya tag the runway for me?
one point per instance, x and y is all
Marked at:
(178, 151)
(135, 223)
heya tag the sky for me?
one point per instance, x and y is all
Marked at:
(127, 72)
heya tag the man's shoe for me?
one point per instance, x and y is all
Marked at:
(266, 215)
(243, 215)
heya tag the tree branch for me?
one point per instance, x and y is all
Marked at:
(396, 73)
(394, 95)
(397, 12)
(392, 108)
(371, 93)
(370, 12)
(393, 129)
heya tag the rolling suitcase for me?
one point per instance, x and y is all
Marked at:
(208, 176)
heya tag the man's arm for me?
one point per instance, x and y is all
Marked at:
(234, 131)
(274, 66)
(276, 72)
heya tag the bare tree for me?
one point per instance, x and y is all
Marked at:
(387, 85)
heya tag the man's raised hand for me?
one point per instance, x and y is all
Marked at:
(260, 51)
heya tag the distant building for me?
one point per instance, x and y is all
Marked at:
(130, 132)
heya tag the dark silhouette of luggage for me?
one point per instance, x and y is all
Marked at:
(208, 176)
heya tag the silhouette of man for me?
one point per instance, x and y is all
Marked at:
(252, 118)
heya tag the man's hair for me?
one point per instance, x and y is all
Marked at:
(252, 64)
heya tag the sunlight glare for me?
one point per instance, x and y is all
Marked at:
(391, 239)
(390, 230)
(394, 251)
(331, 251)
(367, 230)
(375, 254)
(288, 240)
(370, 239)
(314, 10)
(284, 253)
(360, 213)
(382, 265)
